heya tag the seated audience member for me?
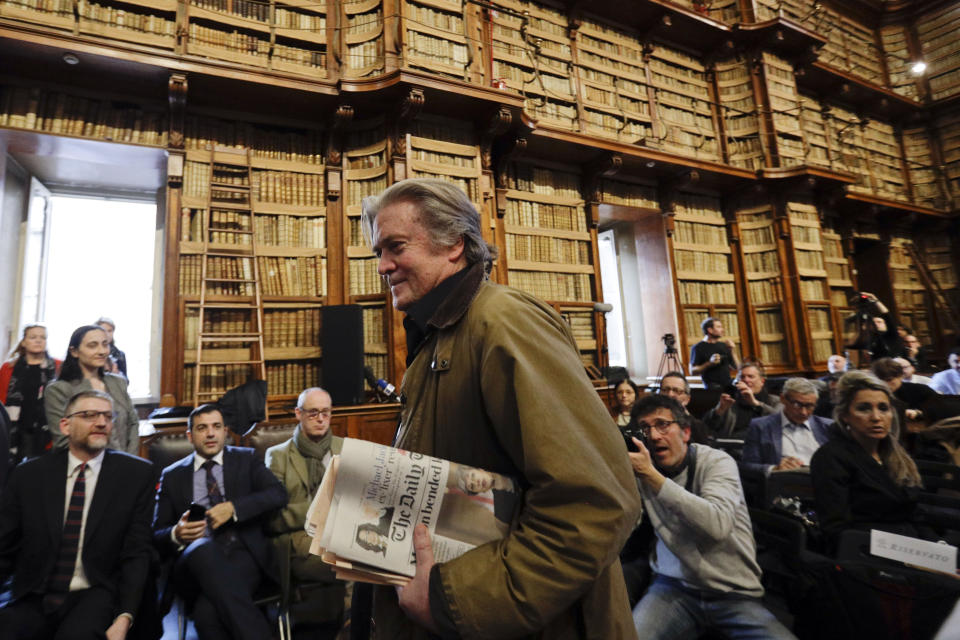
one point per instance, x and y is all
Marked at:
(940, 442)
(22, 380)
(836, 366)
(624, 395)
(912, 395)
(118, 359)
(862, 478)
(948, 380)
(910, 372)
(221, 559)
(917, 354)
(732, 415)
(788, 439)
(299, 464)
(75, 533)
(674, 385)
(713, 357)
(84, 368)
(706, 575)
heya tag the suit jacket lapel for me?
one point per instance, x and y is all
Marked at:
(55, 498)
(776, 433)
(299, 464)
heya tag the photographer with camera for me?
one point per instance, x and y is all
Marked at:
(745, 400)
(878, 329)
(696, 532)
(713, 357)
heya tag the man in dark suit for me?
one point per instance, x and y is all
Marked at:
(222, 558)
(75, 533)
(787, 439)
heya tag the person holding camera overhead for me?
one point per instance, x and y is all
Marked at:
(882, 338)
(713, 357)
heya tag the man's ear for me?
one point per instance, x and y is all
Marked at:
(65, 426)
(455, 252)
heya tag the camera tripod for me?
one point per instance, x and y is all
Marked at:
(670, 360)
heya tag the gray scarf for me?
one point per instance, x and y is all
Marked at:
(313, 453)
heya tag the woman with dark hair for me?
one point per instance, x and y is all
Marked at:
(23, 379)
(625, 394)
(83, 369)
(862, 478)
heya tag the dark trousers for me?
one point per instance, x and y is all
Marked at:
(220, 580)
(84, 615)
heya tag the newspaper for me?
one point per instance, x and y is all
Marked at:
(372, 496)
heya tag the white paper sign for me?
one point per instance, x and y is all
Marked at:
(931, 555)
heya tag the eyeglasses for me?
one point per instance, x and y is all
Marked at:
(662, 426)
(90, 416)
(809, 406)
(314, 413)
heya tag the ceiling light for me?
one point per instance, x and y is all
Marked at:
(71, 59)
(918, 67)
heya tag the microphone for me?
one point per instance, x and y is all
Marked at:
(380, 385)
(602, 307)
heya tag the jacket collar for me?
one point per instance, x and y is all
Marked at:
(458, 301)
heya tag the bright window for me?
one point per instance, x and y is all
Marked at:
(100, 262)
(610, 278)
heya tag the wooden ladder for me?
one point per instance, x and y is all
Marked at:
(244, 281)
(933, 287)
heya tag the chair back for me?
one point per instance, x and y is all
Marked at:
(788, 484)
(263, 435)
(167, 446)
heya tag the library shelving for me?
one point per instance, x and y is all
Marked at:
(925, 185)
(614, 91)
(910, 297)
(738, 109)
(840, 280)
(435, 37)
(809, 258)
(531, 54)
(939, 257)
(894, 39)
(362, 38)
(82, 116)
(948, 136)
(820, 145)
(763, 278)
(784, 105)
(703, 269)
(547, 240)
(937, 33)
(683, 117)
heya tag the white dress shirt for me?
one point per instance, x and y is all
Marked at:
(798, 440)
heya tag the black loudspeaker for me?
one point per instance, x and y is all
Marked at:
(342, 363)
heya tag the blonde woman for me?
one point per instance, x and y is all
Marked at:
(23, 378)
(862, 478)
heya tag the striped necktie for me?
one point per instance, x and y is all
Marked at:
(213, 489)
(59, 583)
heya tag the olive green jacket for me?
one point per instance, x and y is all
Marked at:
(499, 385)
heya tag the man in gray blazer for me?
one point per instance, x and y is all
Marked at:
(787, 439)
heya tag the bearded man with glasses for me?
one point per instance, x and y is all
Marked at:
(75, 533)
(705, 573)
(299, 464)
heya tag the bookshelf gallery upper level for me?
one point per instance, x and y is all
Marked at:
(730, 86)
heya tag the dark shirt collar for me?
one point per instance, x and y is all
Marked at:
(420, 312)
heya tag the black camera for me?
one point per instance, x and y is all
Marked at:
(628, 434)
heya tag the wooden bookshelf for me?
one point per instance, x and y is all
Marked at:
(362, 38)
(720, 10)
(910, 296)
(926, 186)
(613, 83)
(435, 37)
(763, 279)
(840, 274)
(738, 109)
(940, 259)
(547, 247)
(683, 117)
(895, 41)
(784, 104)
(937, 34)
(60, 113)
(703, 270)
(947, 126)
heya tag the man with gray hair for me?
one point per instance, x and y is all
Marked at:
(299, 464)
(787, 439)
(494, 381)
